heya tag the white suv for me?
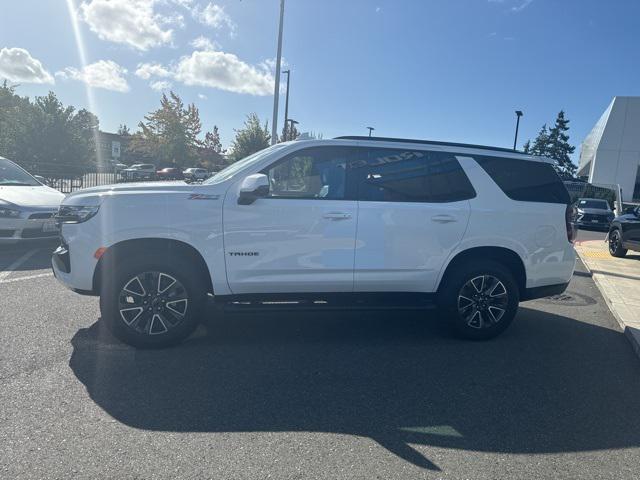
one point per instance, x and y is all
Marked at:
(391, 222)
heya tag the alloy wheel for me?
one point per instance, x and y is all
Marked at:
(614, 242)
(152, 303)
(482, 301)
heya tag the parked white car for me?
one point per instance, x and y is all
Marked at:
(27, 206)
(139, 171)
(473, 230)
(195, 174)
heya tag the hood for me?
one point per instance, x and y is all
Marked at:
(92, 195)
(595, 211)
(40, 196)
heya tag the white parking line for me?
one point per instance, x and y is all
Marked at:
(10, 269)
(28, 277)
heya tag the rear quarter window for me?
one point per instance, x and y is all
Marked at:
(525, 180)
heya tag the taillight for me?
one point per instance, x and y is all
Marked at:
(571, 229)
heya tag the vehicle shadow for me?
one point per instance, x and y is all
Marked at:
(545, 386)
(33, 255)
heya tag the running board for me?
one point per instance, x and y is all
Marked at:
(327, 302)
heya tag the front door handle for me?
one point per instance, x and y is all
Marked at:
(337, 216)
(443, 218)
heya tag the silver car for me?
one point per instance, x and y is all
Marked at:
(27, 207)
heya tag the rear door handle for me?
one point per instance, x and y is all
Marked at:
(337, 216)
(443, 218)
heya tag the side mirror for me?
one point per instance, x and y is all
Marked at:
(253, 187)
(41, 179)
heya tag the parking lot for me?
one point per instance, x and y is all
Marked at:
(312, 395)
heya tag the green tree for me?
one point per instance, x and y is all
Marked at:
(554, 143)
(123, 130)
(211, 152)
(289, 132)
(46, 136)
(169, 135)
(250, 139)
(559, 148)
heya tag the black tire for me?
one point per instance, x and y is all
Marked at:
(170, 319)
(495, 311)
(615, 244)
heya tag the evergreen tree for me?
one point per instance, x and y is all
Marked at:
(211, 151)
(289, 132)
(123, 130)
(541, 143)
(250, 139)
(558, 146)
(169, 135)
(554, 143)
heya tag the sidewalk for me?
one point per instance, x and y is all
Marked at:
(619, 282)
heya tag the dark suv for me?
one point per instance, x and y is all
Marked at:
(624, 233)
(593, 213)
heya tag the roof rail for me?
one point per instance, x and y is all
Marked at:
(427, 142)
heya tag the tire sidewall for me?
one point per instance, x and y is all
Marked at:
(448, 298)
(127, 269)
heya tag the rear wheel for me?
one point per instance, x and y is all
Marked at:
(479, 299)
(615, 244)
(152, 302)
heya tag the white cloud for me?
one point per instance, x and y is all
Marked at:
(131, 22)
(148, 70)
(224, 71)
(214, 16)
(203, 43)
(105, 74)
(202, 96)
(17, 65)
(160, 85)
(522, 6)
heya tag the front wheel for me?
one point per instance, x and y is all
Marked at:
(152, 302)
(615, 244)
(479, 299)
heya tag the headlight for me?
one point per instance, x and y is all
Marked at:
(6, 212)
(75, 214)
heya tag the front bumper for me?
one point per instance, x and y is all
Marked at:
(33, 224)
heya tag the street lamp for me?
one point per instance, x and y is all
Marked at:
(371, 129)
(276, 88)
(286, 102)
(515, 140)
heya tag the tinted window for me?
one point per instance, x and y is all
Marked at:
(310, 173)
(525, 180)
(593, 204)
(395, 175)
(11, 174)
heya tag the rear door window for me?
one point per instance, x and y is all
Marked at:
(400, 175)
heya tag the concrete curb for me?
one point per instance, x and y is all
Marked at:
(632, 334)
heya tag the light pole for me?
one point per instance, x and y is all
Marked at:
(276, 88)
(515, 140)
(371, 129)
(286, 102)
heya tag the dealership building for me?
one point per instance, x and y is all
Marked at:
(610, 153)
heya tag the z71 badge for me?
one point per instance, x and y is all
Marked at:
(203, 196)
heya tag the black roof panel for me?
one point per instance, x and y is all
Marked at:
(427, 142)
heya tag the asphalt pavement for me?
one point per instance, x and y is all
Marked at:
(313, 395)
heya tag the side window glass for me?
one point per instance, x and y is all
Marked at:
(311, 173)
(390, 175)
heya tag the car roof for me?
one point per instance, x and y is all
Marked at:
(453, 147)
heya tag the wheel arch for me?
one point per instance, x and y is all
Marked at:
(502, 255)
(169, 247)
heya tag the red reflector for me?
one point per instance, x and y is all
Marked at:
(99, 252)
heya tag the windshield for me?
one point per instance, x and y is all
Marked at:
(11, 174)
(600, 204)
(234, 168)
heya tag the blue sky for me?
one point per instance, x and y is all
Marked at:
(439, 69)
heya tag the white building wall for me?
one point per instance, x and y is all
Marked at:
(611, 152)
